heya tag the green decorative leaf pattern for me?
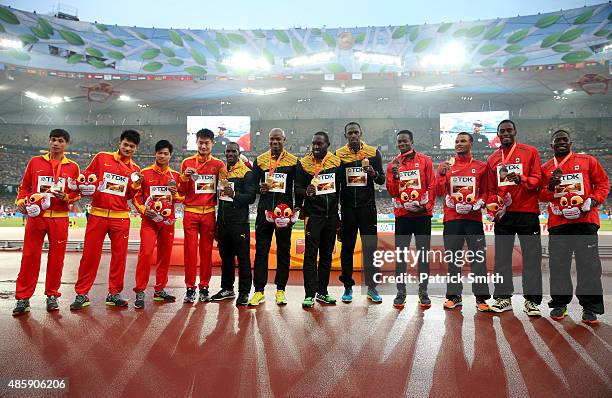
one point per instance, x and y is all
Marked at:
(115, 55)
(335, 68)
(7, 16)
(576, 56)
(460, 32)
(142, 36)
(187, 37)
(584, 17)
(364, 67)
(94, 52)
(475, 31)
(150, 53)
(360, 38)
(75, 58)
(212, 48)
(315, 32)
(96, 63)
(236, 39)
(152, 66)
(116, 42)
(443, 28)
(562, 48)
(198, 57)
(2, 30)
(167, 52)
(518, 36)
(513, 48)
(175, 38)
(551, 39)
(71, 37)
(414, 34)
(515, 62)
(488, 62)
(328, 39)
(27, 38)
(571, 35)
(547, 21)
(489, 48)
(101, 27)
(298, 47)
(268, 55)
(41, 34)
(222, 40)
(259, 34)
(423, 44)
(399, 32)
(45, 26)
(602, 33)
(220, 67)
(494, 32)
(196, 71)
(175, 61)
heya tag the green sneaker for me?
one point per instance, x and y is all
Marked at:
(531, 308)
(327, 298)
(308, 302)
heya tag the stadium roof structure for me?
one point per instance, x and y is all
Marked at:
(563, 37)
(73, 72)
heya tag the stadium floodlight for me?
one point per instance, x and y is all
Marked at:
(452, 54)
(312, 59)
(67, 99)
(342, 90)
(9, 43)
(56, 100)
(270, 91)
(568, 91)
(426, 89)
(37, 97)
(378, 59)
(244, 61)
(123, 97)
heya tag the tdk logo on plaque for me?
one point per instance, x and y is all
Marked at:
(463, 179)
(569, 178)
(409, 173)
(354, 169)
(278, 175)
(326, 177)
(116, 177)
(514, 167)
(206, 177)
(47, 179)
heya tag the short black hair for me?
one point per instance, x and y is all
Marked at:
(323, 134)
(468, 134)
(506, 121)
(552, 137)
(60, 133)
(233, 143)
(205, 133)
(350, 123)
(162, 144)
(407, 132)
(130, 135)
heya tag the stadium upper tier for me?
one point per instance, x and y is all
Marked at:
(563, 37)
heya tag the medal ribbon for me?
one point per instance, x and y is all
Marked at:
(504, 158)
(565, 159)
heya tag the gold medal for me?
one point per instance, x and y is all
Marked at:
(223, 183)
(172, 183)
(315, 182)
(270, 180)
(365, 162)
(451, 161)
(135, 177)
(557, 173)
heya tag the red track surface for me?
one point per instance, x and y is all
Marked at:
(361, 349)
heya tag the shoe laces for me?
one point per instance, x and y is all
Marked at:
(140, 296)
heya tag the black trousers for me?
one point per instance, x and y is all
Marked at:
(364, 220)
(320, 239)
(234, 240)
(456, 233)
(263, 239)
(562, 243)
(420, 227)
(527, 227)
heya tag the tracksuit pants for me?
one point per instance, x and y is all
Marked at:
(235, 242)
(204, 225)
(36, 228)
(320, 240)
(154, 234)
(527, 227)
(364, 221)
(456, 233)
(562, 243)
(420, 227)
(263, 239)
(118, 229)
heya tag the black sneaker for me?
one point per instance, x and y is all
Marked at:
(243, 299)
(190, 296)
(21, 307)
(223, 294)
(139, 303)
(163, 296)
(589, 317)
(424, 300)
(52, 304)
(204, 294)
(116, 300)
(558, 313)
(400, 300)
(80, 301)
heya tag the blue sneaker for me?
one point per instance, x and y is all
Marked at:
(347, 297)
(373, 295)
